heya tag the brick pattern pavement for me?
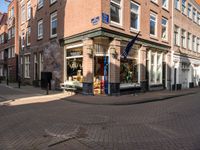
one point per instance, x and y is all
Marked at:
(64, 125)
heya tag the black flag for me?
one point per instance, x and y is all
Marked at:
(129, 46)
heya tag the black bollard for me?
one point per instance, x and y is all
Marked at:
(19, 84)
(48, 89)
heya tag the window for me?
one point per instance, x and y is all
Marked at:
(54, 24)
(52, 1)
(23, 18)
(40, 3)
(184, 6)
(153, 24)
(135, 18)
(12, 51)
(189, 41)
(41, 64)
(193, 43)
(35, 67)
(194, 15)
(176, 35)
(13, 32)
(28, 36)
(183, 38)
(190, 11)
(9, 52)
(164, 29)
(198, 18)
(116, 11)
(1, 71)
(165, 4)
(177, 4)
(9, 34)
(155, 67)
(12, 12)
(27, 66)
(198, 48)
(2, 55)
(155, 1)
(40, 29)
(29, 10)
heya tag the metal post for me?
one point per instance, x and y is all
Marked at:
(47, 88)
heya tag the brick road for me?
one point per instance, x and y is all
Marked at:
(62, 125)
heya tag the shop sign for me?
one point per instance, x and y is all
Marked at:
(95, 20)
(105, 18)
(71, 53)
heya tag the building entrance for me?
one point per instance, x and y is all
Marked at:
(101, 68)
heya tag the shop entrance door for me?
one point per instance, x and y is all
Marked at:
(101, 75)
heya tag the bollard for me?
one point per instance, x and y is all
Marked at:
(48, 89)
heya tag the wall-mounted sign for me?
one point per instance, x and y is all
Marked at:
(105, 18)
(95, 20)
(74, 52)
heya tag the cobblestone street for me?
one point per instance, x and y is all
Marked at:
(172, 124)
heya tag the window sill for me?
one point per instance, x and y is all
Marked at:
(53, 36)
(156, 3)
(166, 9)
(116, 25)
(153, 37)
(39, 38)
(39, 7)
(165, 41)
(132, 30)
(52, 3)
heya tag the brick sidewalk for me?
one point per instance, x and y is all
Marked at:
(131, 99)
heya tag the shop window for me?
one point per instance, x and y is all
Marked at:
(129, 67)
(74, 64)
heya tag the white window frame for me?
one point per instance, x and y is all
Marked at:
(29, 13)
(40, 3)
(165, 26)
(190, 10)
(28, 33)
(120, 6)
(40, 32)
(27, 66)
(23, 15)
(183, 38)
(167, 4)
(156, 23)
(137, 13)
(183, 6)
(178, 4)
(51, 20)
(52, 1)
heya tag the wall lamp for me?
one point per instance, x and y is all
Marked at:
(90, 51)
(113, 52)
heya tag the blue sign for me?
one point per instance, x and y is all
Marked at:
(95, 20)
(105, 18)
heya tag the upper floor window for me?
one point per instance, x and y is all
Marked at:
(54, 24)
(29, 10)
(194, 15)
(177, 4)
(176, 35)
(28, 36)
(184, 6)
(190, 11)
(9, 34)
(40, 29)
(183, 38)
(12, 12)
(40, 3)
(116, 11)
(155, 1)
(198, 18)
(194, 43)
(52, 1)
(165, 3)
(164, 34)
(13, 32)
(153, 24)
(23, 18)
(189, 41)
(135, 16)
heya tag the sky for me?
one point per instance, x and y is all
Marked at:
(3, 6)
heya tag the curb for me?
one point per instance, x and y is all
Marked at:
(146, 100)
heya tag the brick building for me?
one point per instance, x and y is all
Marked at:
(96, 35)
(186, 44)
(9, 43)
(85, 46)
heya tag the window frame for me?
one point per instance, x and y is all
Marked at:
(51, 20)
